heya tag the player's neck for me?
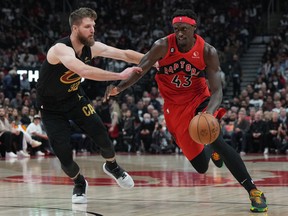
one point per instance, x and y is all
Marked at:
(76, 44)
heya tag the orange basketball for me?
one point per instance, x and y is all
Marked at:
(204, 128)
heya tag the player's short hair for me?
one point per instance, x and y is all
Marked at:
(76, 16)
(185, 12)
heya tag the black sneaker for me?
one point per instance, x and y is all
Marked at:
(122, 178)
(79, 193)
(258, 201)
(217, 159)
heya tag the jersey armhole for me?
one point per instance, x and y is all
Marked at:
(170, 46)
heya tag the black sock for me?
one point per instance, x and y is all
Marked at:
(234, 163)
(111, 164)
(79, 179)
(248, 184)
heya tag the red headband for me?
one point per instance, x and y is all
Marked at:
(184, 19)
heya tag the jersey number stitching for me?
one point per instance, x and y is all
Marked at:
(186, 83)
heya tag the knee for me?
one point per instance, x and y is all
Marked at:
(200, 167)
(202, 170)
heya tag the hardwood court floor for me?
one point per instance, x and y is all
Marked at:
(165, 185)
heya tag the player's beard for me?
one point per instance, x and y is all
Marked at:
(86, 41)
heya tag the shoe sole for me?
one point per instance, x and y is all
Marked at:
(253, 209)
(112, 176)
(35, 145)
(81, 199)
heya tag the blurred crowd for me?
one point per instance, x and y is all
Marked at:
(256, 115)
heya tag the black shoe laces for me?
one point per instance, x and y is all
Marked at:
(118, 172)
(79, 189)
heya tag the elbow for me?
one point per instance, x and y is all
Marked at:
(84, 73)
(81, 73)
(218, 93)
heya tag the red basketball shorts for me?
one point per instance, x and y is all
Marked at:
(177, 119)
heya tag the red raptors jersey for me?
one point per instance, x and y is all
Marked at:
(181, 77)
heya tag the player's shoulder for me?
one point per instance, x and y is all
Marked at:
(209, 49)
(57, 51)
(59, 48)
(161, 42)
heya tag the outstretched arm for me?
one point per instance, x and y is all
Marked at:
(60, 53)
(157, 52)
(214, 77)
(103, 50)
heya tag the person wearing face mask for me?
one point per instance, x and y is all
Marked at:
(146, 131)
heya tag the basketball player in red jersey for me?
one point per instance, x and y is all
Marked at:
(184, 61)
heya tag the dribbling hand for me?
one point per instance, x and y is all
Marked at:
(129, 71)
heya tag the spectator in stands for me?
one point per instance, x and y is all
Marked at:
(250, 90)
(256, 101)
(267, 116)
(139, 110)
(34, 129)
(146, 131)
(154, 94)
(244, 94)
(24, 83)
(256, 134)
(272, 128)
(32, 113)
(33, 98)
(282, 138)
(268, 104)
(11, 83)
(161, 140)
(27, 99)
(114, 131)
(241, 127)
(130, 101)
(6, 103)
(16, 102)
(15, 118)
(266, 68)
(283, 116)
(24, 116)
(11, 137)
(128, 130)
(278, 106)
(150, 109)
(251, 114)
(236, 73)
(155, 116)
